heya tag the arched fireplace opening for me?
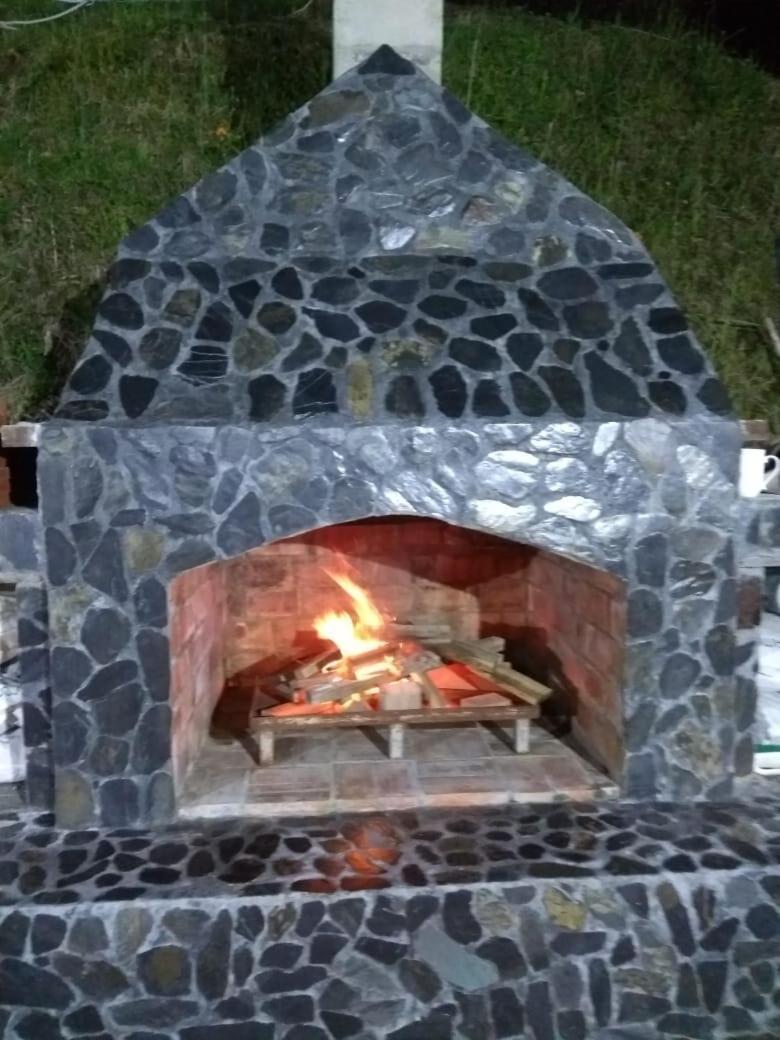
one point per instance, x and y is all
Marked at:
(240, 626)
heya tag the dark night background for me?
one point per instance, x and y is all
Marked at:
(750, 28)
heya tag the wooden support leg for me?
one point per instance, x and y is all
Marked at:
(266, 747)
(397, 740)
(522, 735)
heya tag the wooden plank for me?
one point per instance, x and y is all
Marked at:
(514, 690)
(417, 716)
(755, 431)
(488, 665)
(430, 689)
(495, 643)
(521, 682)
(346, 687)
(313, 666)
(397, 730)
(267, 747)
(423, 631)
(370, 656)
(522, 736)
(20, 435)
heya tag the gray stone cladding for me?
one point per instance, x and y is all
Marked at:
(385, 308)
(650, 501)
(565, 923)
(33, 628)
(384, 253)
(20, 543)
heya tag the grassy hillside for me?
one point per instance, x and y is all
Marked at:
(108, 113)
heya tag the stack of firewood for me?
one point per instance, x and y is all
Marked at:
(421, 666)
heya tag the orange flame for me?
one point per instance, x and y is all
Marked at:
(350, 636)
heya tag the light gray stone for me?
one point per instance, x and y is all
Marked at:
(625, 480)
(455, 474)
(396, 236)
(513, 458)
(653, 443)
(613, 528)
(564, 438)
(500, 517)
(425, 495)
(574, 507)
(395, 502)
(606, 435)
(561, 535)
(374, 449)
(700, 471)
(423, 441)
(508, 433)
(452, 962)
(567, 475)
(506, 483)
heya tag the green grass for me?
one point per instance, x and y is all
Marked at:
(110, 112)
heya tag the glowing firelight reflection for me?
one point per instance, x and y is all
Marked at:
(352, 637)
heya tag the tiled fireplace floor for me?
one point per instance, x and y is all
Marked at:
(349, 770)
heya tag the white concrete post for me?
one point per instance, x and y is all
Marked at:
(413, 27)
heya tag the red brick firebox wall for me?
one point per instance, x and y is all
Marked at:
(199, 631)
(564, 622)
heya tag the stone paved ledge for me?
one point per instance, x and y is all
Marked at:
(332, 854)
(567, 923)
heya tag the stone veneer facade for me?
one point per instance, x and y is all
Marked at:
(386, 309)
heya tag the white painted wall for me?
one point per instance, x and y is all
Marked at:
(413, 27)
(12, 755)
(11, 740)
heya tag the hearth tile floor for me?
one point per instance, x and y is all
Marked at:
(349, 770)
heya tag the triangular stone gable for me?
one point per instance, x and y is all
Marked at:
(385, 254)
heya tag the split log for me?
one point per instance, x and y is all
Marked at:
(468, 650)
(313, 666)
(415, 658)
(522, 686)
(421, 630)
(341, 690)
(433, 697)
(493, 643)
(492, 666)
(326, 691)
(377, 654)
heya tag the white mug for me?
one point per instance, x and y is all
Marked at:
(751, 472)
(772, 474)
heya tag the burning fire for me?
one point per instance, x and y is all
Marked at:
(352, 637)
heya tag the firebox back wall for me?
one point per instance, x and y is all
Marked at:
(564, 622)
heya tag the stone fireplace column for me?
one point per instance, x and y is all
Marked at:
(413, 27)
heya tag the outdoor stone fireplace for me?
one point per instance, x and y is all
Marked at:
(386, 322)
